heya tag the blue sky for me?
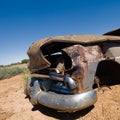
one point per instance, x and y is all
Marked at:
(24, 21)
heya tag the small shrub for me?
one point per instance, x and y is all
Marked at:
(24, 61)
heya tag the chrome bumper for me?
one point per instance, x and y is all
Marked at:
(61, 102)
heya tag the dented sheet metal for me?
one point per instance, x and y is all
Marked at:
(84, 64)
(63, 69)
(35, 52)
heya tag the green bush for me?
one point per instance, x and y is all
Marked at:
(24, 61)
(9, 72)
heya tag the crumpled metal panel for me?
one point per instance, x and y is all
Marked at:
(38, 60)
(84, 64)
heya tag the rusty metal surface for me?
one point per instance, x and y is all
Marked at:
(37, 58)
(84, 60)
(65, 81)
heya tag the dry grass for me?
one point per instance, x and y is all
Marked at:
(8, 72)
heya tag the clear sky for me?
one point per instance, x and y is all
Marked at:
(24, 21)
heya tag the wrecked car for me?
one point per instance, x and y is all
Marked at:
(64, 69)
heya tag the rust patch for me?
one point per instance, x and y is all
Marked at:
(77, 55)
(78, 76)
(81, 57)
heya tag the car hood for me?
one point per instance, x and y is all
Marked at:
(40, 49)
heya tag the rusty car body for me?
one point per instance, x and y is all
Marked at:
(64, 69)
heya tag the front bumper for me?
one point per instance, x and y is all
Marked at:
(61, 102)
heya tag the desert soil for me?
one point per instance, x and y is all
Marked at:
(14, 106)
